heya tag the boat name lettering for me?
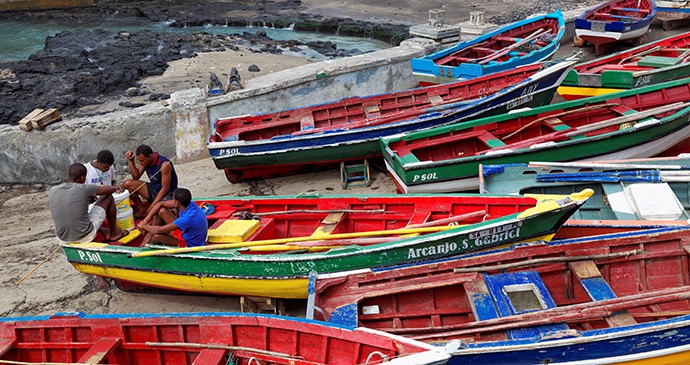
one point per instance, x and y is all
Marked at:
(529, 89)
(425, 177)
(443, 248)
(494, 238)
(229, 151)
(90, 256)
(519, 101)
(643, 80)
(496, 230)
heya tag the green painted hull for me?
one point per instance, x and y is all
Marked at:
(461, 174)
(536, 223)
(627, 79)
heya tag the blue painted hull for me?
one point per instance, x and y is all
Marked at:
(427, 71)
(344, 144)
(610, 346)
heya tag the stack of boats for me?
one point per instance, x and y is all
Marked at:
(576, 249)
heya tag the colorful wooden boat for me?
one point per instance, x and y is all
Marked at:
(290, 141)
(613, 299)
(672, 12)
(521, 43)
(267, 246)
(638, 123)
(201, 339)
(615, 21)
(663, 60)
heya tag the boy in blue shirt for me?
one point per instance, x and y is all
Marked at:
(179, 213)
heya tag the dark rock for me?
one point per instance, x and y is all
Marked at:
(158, 96)
(128, 104)
(253, 68)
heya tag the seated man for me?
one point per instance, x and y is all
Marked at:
(162, 178)
(189, 219)
(100, 171)
(69, 206)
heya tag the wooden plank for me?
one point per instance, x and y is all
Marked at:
(210, 357)
(6, 344)
(25, 123)
(328, 224)
(261, 305)
(435, 99)
(480, 299)
(100, 350)
(45, 117)
(598, 289)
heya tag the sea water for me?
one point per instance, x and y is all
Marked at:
(22, 38)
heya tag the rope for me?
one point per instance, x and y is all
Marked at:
(37, 266)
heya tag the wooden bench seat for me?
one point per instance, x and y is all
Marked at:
(598, 289)
(635, 10)
(97, 353)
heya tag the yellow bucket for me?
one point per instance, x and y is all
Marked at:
(122, 202)
(126, 220)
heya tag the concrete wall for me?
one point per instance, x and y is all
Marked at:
(179, 129)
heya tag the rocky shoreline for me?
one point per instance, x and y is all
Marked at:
(81, 68)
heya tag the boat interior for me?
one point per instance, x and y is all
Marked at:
(357, 112)
(514, 42)
(294, 225)
(191, 339)
(532, 130)
(625, 11)
(536, 291)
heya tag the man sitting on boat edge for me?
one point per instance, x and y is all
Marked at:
(69, 206)
(162, 178)
(188, 218)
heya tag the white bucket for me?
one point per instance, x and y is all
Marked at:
(125, 220)
(122, 202)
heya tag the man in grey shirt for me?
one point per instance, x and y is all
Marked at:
(69, 206)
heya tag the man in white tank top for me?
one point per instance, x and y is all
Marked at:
(100, 171)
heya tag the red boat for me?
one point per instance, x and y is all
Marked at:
(201, 339)
(436, 298)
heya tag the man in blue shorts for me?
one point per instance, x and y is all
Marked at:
(162, 178)
(179, 213)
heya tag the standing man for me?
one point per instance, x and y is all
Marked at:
(187, 217)
(69, 206)
(162, 178)
(100, 171)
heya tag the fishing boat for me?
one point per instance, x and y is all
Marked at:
(672, 12)
(521, 43)
(268, 246)
(637, 123)
(612, 299)
(201, 339)
(286, 142)
(663, 60)
(615, 21)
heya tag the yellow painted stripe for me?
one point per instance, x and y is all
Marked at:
(585, 92)
(682, 358)
(274, 288)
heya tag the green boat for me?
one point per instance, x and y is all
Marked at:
(269, 246)
(652, 63)
(638, 123)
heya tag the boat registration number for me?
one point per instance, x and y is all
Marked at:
(424, 177)
(89, 256)
(598, 26)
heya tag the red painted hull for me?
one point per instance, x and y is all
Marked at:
(202, 339)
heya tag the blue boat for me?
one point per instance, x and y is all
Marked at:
(610, 299)
(286, 142)
(615, 21)
(521, 43)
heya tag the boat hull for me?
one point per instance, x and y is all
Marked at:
(428, 71)
(284, 275)
(615, 21)
(252, 159)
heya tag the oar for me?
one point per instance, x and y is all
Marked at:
(507, 49)
(653, 176)
(612, 166)
(290, 240)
